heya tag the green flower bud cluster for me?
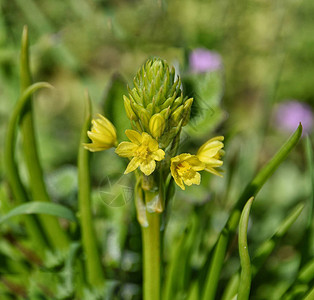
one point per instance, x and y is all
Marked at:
(156, 104)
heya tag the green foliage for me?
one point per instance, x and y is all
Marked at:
(34, 207)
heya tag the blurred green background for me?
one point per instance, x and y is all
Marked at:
(267, 54)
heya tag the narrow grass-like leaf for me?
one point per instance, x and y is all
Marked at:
(11, 168)
(263, 252)
(308, 240)
(310, 295)
(245, 277)
(36, 207)
(177, 277)
(216, 259)
(93, 266)
(55, 234)
(302, 282)
(193, 292)
(68, 274)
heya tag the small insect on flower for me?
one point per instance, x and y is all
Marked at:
(144, 149)
(103, 135)
(184, 169)
(210, 153)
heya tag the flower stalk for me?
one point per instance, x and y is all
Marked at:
(151, 254)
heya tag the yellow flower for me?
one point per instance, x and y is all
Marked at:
(144, 150)
(184, 169)
(103, 135)
(210, 154)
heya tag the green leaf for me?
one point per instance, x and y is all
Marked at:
(216, 259)
(245, 277)
(56, 236)
(263, 251)
(177, 272)
(310, 295)
(37, 207)
(11, 168)
(93, 266)
(308, 246)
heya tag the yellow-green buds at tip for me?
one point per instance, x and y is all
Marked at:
(156, 102)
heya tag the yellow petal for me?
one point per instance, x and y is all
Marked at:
(133, 164)
(195, 163)
(212, 162)
(105, 123)
(213, 171)
(94, 148)
(158, 155)
(126, 149)
(196, 179)
(134, 136)
(148, 167)
(146, 139)
(101, 138)
(174, 172)
(153, 145)
(178, 180)
(212, 143)
(209, 151)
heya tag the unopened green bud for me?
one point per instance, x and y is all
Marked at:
(166, 112)
(177, 116)
(142, 114)
(177, 102)
(187, 111)
(168, 102)
(155, 79)
(129, 111)
(157, 125)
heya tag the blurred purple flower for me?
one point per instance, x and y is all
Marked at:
(290, 113)
(203, 60)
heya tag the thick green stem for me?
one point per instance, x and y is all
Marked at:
(151, 255)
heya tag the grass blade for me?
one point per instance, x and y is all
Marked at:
(55, 234)
(11, 168)
(245, 277)
(308, 246)
(93, 266)
(263, 251)
(310, 295)
(216, 260)
(51, 209)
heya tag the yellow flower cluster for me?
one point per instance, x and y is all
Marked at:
(143, 152)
